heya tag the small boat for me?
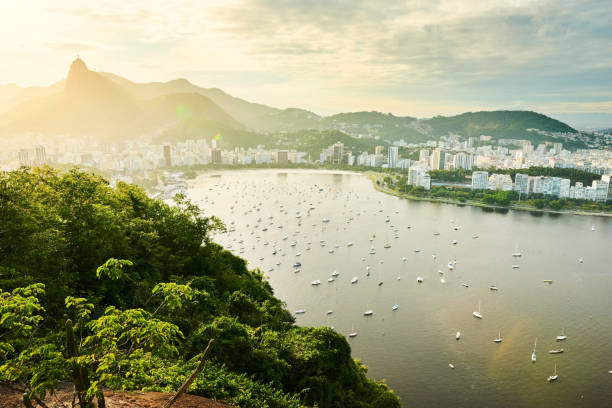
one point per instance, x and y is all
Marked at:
(368, 268)
(493, 287)
(454, 242)
(326, 220)
(330, 280)
(350, 244)
(380, 283)
(335, 273)
(515, 266)
(475, 236)
(316, 282)
(554, 376)
(456, 228)
(465, 285)
(533, 354)
(368, 312)
(451, 366)
(372, 251)
(297, 264)
(387, 245)
(498, 339)
(562, 336)
(298, 254)
(353, 334)
(555, 351)
(457, 335)
(395, 307)
(387, 219)
(580, 260)
(549, 281)
(477, 314)
(442, 280)
(355, 280)
(330, 312)
(403, 259)
(417, 250)
(419, 279)
(300, 311)
(592, 228)
(436, 233)
(450, 266)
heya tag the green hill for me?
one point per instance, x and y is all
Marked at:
(109, 288)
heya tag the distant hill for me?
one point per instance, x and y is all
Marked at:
(499, 124)
(112, 107)
(90, 103)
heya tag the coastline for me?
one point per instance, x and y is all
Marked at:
(374, 178)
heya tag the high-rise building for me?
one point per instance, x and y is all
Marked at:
(41, 155)
(437, 160)
(338, 153)
(601, 190)
(393, 156)
(607, 178)
(167, 156)
(24, 158)
(423, 155)
(379, 149)
(463, 161)
(480, 180)
(521, 183)
(215, 156)
(282, 157)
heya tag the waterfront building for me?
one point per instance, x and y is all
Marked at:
(393, 156)
(480, 180)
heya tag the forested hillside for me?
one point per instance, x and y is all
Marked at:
(108, 288)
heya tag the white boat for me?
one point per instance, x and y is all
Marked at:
(372, 251)
(300, 311)
(451, 366)
(442, 280)
(368, 268)
(330, 312)
(555, 351)
(387, 245)
(554, 376)
(465, 285)
(335, 273)
(403, 259)
(316, 282)
(454, 242)
(330, 280)
(353, 334)
(395, 307)
(533, 354)
(450, 266)
(516, 252)
(457, 335)
(349, 244)
(325, 220)
(355, 280)
(419, 279)
(592, 228)
(580, 260)
(298, 254)
(456, 228)
(368, 312)
(297, 264)
(387, 219)
(477, 314)
(515, 266)
(436, 233)
(493, 287)
(498, 339)
(562, 336)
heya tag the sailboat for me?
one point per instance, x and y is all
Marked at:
(395, 307)
(516, 252)
(533, 354)
(562, 336)
(477, 314)
(554, 376)
(498, 339)
(353, 333)
(458, 335)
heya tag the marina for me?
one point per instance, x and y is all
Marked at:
(405, 344)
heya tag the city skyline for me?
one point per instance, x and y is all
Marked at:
(410, 59)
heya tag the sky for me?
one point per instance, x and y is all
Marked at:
(418, 57)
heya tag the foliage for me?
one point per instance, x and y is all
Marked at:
(144, 288)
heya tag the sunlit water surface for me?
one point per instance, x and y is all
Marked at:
(412, 347)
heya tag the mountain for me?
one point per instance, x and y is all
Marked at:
(92, 104)
(110, 106)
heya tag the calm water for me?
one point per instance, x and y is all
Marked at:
(413, 346)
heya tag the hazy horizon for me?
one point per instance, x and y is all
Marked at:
(414, 59)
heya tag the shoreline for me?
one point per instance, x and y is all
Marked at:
(374, 178)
